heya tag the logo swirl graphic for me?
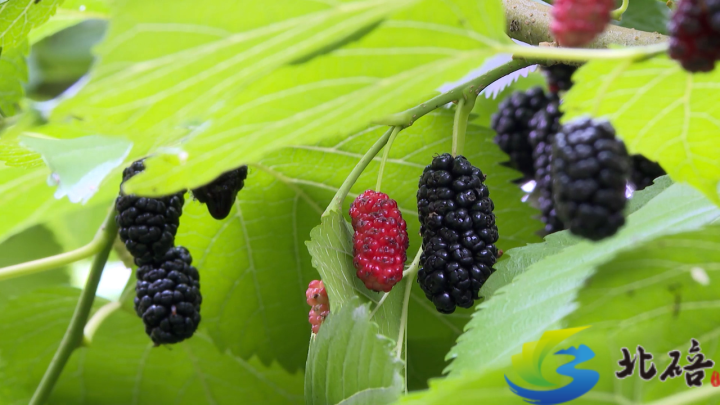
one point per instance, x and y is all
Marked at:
(528, 365)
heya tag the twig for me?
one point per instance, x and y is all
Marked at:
(74, 334)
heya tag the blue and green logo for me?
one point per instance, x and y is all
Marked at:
(528, 365)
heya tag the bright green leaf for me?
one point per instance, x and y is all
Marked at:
(350, 362)
(545, 293)
(18, 17)
(79, 165)
(13, 75)
(660, 111)
(658, 295)
(152, 94)
(72, 12)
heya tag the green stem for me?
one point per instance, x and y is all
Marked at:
(478, 84)
(550, 53)
(53, 262)
(386, 152)
(409, 276)
(618, 13)
(93, 324)
(462, 113)
(74, 334)
(344, 189)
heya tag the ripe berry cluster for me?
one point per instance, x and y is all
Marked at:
(219, 195)
(511, 123)
(545, 124)
(590, 170)
(167, 290)
(644, 171)
(317, 298)
(559, 77)
(458, 232)
(380, 241)
(695, 33)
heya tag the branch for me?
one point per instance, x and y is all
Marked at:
(407, 117)
(529, 21)
(53, 262)
(74, 334)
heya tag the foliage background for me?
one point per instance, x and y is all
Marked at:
(299, 90)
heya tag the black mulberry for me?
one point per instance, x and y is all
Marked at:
(694, 32)
(559, 77)
(168, 297)
(147, 225)
(511, 122)
(219, 195)
(590, 171)
(458, 232)
(545, 124)
(644, 171)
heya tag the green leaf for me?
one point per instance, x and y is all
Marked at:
(660, 111)
(31, 327)
(331, 249)
(13, 74)
(153, 94)
(255, 270)
(658, 295)
(647, 15)
(545, 294)
(79, 165)
(34, 243)
(350, 363)
(122, 366)
(72, 12)
(18, 17)
(640, 198)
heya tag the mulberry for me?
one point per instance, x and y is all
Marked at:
(511, 124)
(380, 241)
(644, 171)
(590, 171)
(559, 77)
(545, 124)
(317, 298)
(694, 32)
(147, 225)
(458, 230)
(578, 22)
(168, 297)
(219, 195)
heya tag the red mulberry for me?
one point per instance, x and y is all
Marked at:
(380, 241)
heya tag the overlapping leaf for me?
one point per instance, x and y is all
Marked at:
(659, 296)
(544, 294)
(349, 362)
(13, 74)
(659, 110)
(18, 17)
(122, 366)
(152, 93)
(71, 12)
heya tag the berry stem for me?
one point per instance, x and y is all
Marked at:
(97, 319)
(409, 275)
(462, 112)
(74, 335)
(386, 152)
(584, 54)
(408, 117)
(54, 262)
(344, 189)
(618, 13)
